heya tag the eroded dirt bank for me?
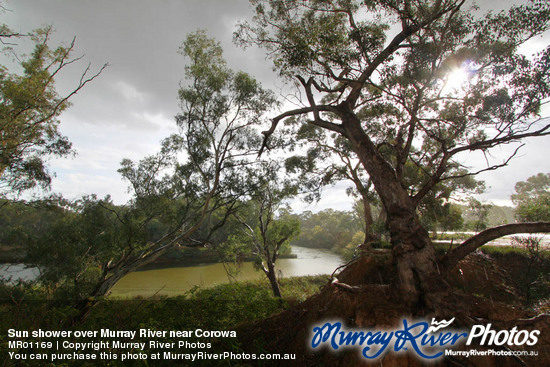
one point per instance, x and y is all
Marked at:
(482, 292)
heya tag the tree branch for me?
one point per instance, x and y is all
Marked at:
(300, 111)
(451, 258)
(486, 144)
(407, 31)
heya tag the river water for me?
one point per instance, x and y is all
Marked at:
(15, 272)
(174, 281)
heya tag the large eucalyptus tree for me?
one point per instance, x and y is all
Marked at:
(422, 83)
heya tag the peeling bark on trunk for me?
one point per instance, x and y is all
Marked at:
(415, 259)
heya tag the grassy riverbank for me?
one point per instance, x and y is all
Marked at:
(223, 307)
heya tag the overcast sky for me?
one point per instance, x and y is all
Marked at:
(131, 107)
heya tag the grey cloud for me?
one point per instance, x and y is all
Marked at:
(133, 103)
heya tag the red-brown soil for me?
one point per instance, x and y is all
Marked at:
(482, 293)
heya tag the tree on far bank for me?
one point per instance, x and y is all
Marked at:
(480, 214)
(328, 229)
(532, 199)
(329, 159)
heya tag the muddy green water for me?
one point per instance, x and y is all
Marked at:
(174, 281)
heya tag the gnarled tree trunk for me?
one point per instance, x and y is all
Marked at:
(413, 251)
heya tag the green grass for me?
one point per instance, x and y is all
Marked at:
(502, 250)
(223, 307)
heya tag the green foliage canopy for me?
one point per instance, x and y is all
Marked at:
(29, 110)
(532, 199)
(423, 81)
(328, 229)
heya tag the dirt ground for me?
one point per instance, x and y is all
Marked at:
(482, 292)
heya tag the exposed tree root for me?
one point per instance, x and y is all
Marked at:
(359, 300)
